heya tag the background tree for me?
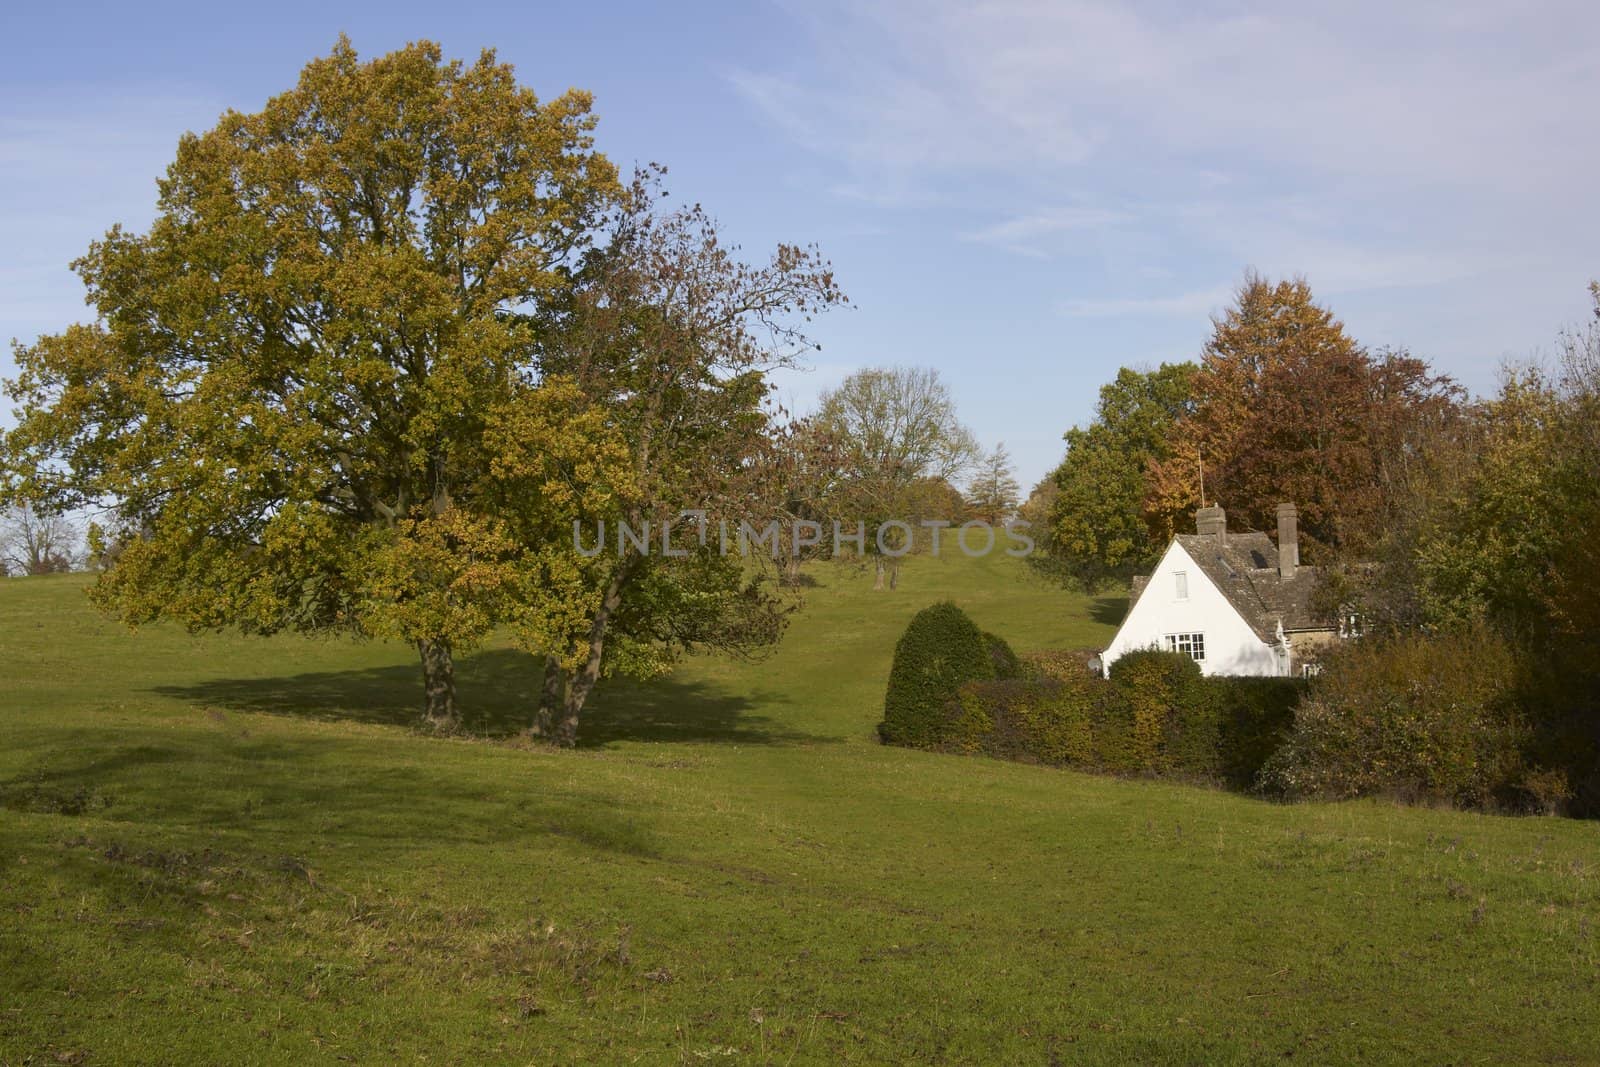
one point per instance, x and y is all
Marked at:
(1037, 509)
(1489, 538)
(36, 541)
(1573, 602)
(1484, 539)
(286, 386)
(993, 494)
(1288, 407)
(901, 446)
(1500, 532)
(802, 476)
(1095, 526)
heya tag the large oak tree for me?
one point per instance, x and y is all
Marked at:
(284, 393)
(388, 344)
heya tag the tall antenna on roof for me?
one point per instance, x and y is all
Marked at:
(1201, 461)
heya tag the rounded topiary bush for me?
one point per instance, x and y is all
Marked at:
(940, 650)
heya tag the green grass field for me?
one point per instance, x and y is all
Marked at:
(218, 849)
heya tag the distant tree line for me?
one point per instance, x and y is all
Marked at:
(1283, 405)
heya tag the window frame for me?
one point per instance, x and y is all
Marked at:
(1192, 644)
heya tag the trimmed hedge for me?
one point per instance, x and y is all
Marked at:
(1169, 717)
(1058, 663)
(1005, 662)
(1029, 720)
(1254, 719)
(941, 649)
(1155, 715)
(1420, 717)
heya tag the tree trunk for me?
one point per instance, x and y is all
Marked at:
(551, 700)
(894, 575)
(439, 709)
(566, 730)
(879, 583)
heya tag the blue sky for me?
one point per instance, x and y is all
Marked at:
(1025, 195)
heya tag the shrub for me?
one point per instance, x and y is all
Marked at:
(956, 688)
(1168, 718)
(1561, 698)
(1005, 662)
(1058, 663)
(941, 649)
(1029, 720)
(1415, 716)
(1255, 716)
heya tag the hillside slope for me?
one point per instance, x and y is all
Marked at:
(215, 848)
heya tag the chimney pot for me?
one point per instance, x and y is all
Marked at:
(1288, 540)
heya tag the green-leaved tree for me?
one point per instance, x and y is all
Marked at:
(283, 396)
(993, 494)
(1096, 528)
(653, 419)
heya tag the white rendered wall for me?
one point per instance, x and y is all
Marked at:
(1231, 646)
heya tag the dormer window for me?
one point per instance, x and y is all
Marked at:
(1181, 583)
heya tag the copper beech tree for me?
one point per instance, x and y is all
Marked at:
(365, 320)
(1287, 406)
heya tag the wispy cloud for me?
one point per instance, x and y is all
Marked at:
(1367, 144)
(1364, 89)
(1200, 302)
(1026, 234)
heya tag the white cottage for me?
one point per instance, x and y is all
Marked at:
(1234, 602)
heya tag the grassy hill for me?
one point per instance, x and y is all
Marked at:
(225, 849)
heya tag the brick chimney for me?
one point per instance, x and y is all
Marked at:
(1212, 522)
(1288, 540)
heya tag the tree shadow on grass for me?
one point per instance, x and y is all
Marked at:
(498, 690)
(274, 789)
(1109, 610)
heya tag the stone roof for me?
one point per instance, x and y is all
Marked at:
(1245, 568)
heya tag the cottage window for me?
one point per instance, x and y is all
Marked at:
(1182, 580)
(1192, 645)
